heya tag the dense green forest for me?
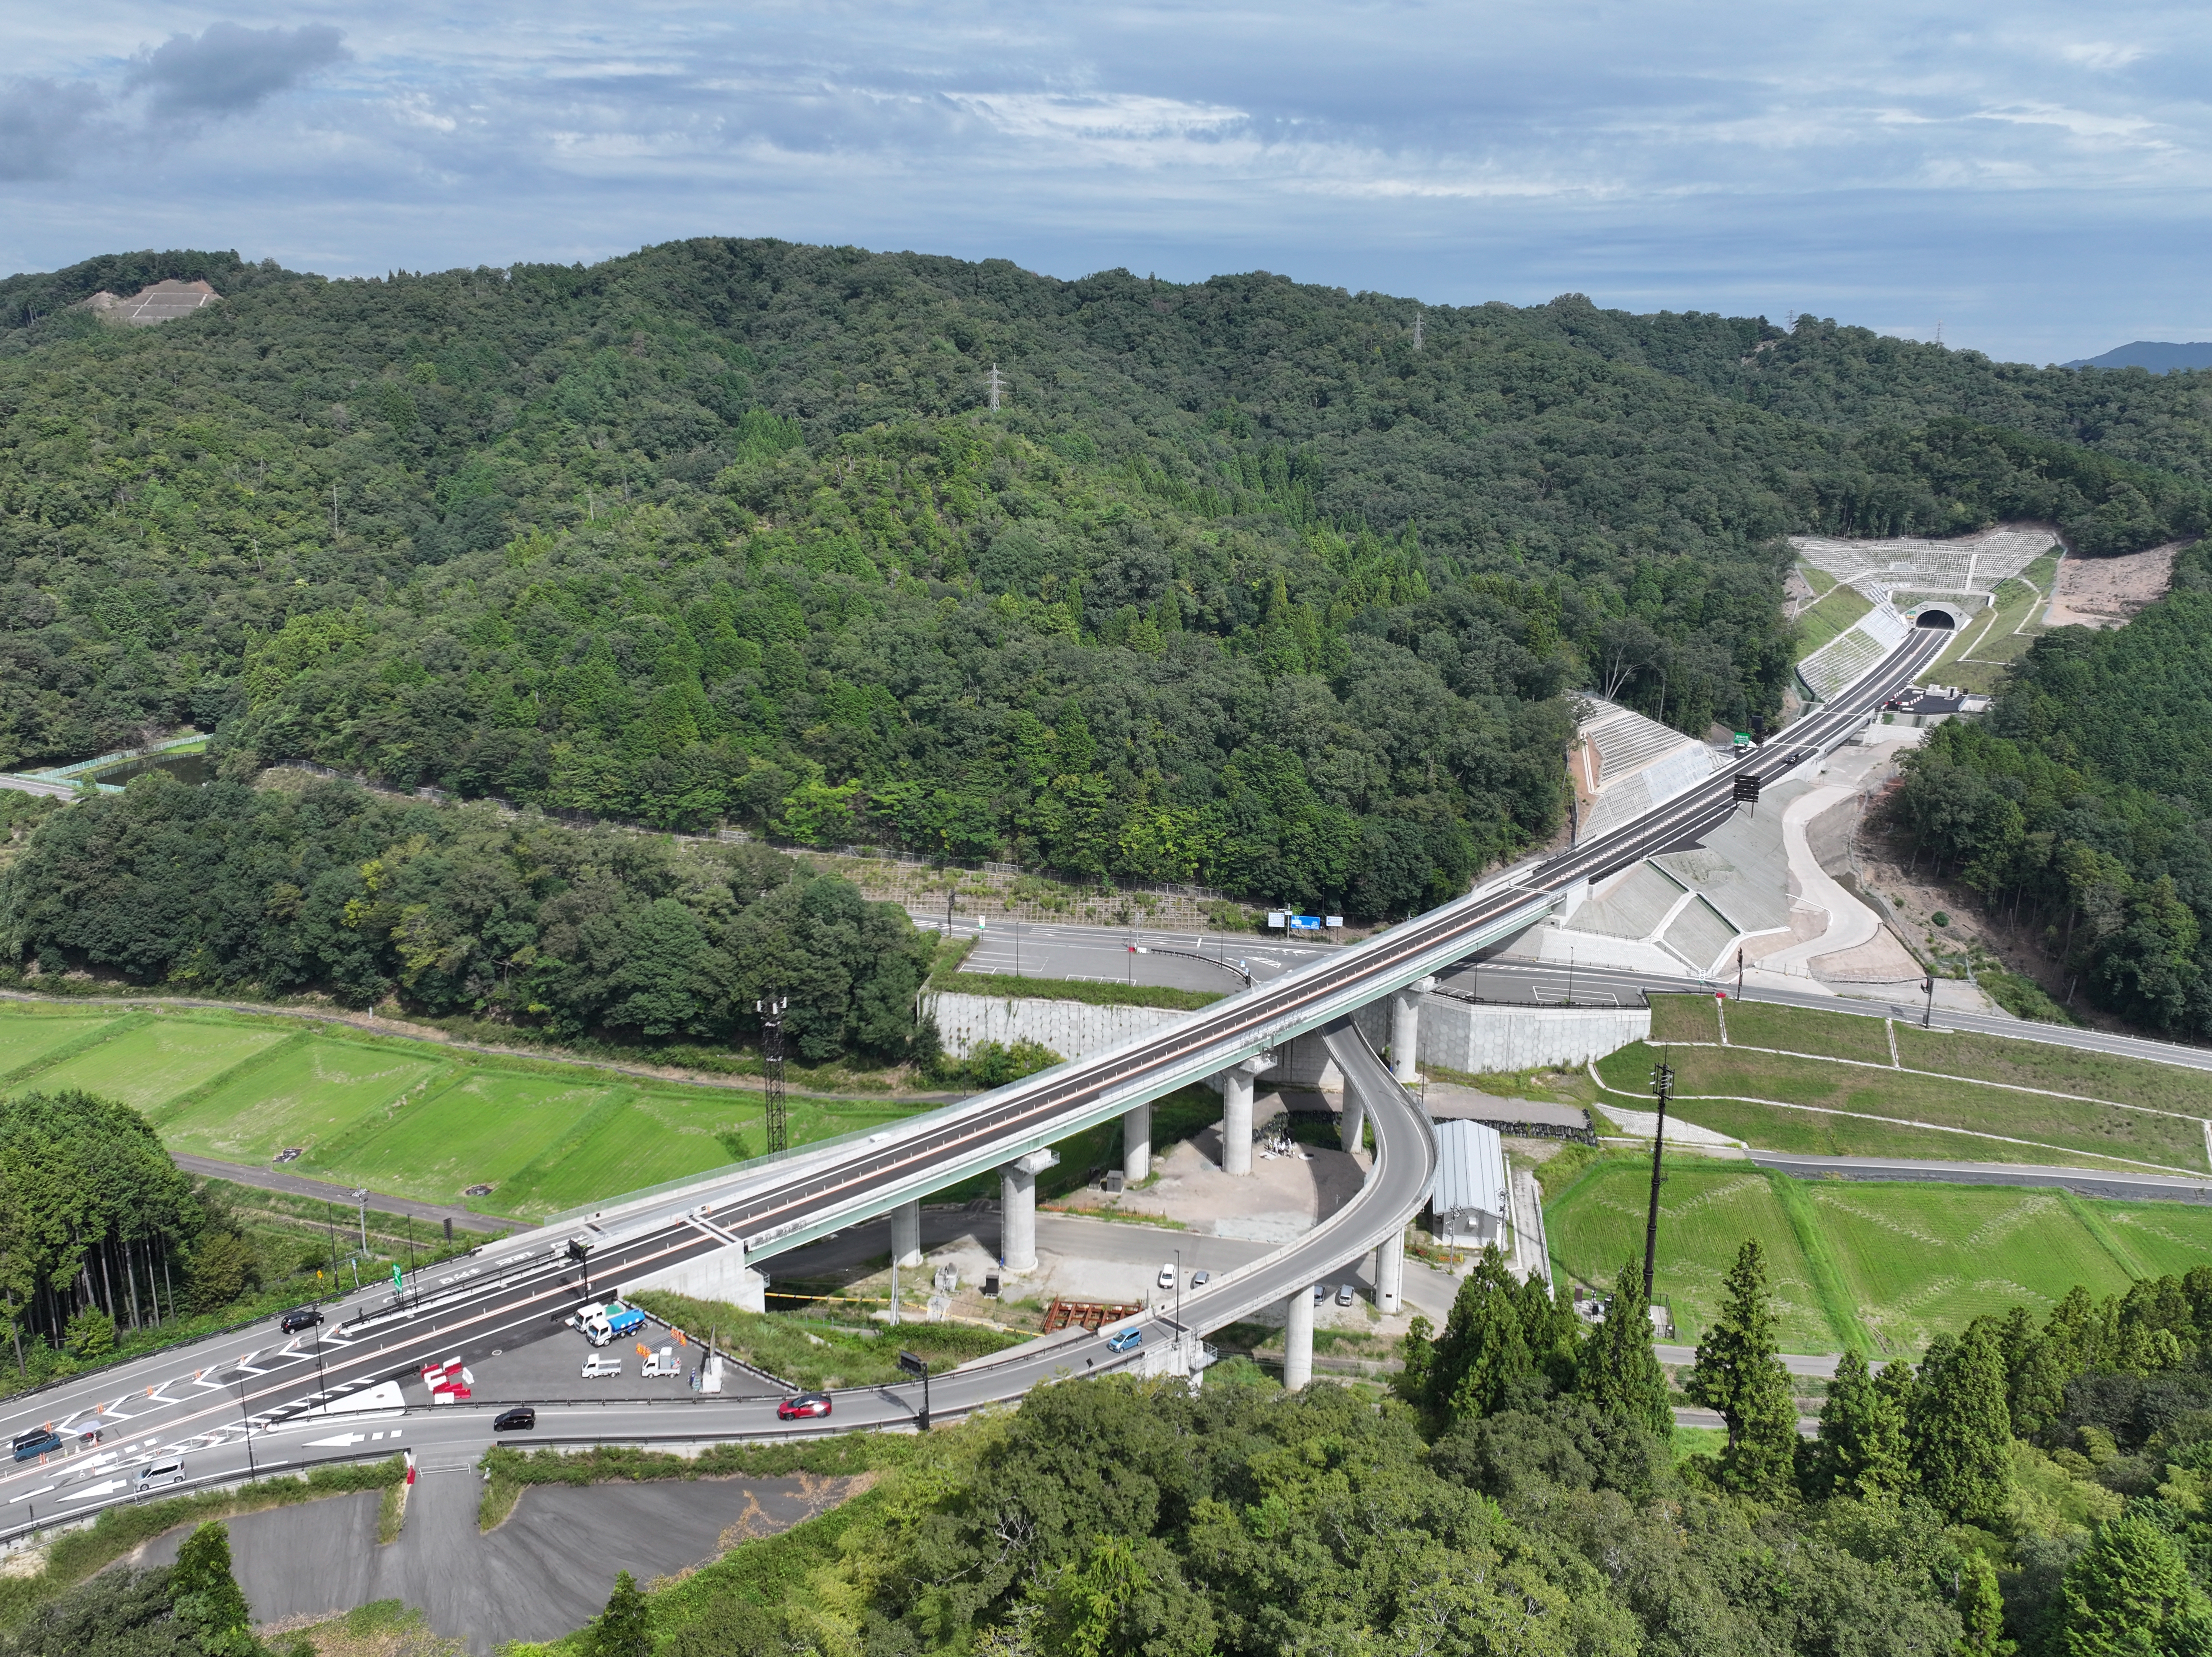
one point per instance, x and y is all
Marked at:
(1244, 583)
(105, 1246)
(462, 910)
(2083, 802)
(2030, 1487)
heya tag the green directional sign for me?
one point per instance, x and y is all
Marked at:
(395, 1277)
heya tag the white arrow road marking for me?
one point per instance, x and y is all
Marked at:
(107, 1487)
(338, 1443)
(28, 1494)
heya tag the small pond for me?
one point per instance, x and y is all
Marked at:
(190, 769)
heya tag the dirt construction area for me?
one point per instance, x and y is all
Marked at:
(2109, 591)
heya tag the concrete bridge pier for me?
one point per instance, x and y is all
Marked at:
(905, 1234)
(1354, 1121)
(1017, 1209)
(1137, 1142)
(1236, 1112)
(1298, 1339)
(1390, 1275)
(1405, 1029)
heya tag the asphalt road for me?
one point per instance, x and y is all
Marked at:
(298, 1185)
(1130, 954)
(2085, 1181)
(1523, 983)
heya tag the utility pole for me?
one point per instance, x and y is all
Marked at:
(361, 1197)
(995, 385)
(1738, 974)
(1928, 1013)
(771, 1011)
(1662, 1084)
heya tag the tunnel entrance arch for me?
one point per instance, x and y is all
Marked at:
(1948, 617)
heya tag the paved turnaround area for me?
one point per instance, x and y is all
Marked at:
(244, 1395)
(544, 1572)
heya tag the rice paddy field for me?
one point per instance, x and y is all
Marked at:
(408, 1118)
(1880, 1266)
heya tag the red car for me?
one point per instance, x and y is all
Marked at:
(807, 1406)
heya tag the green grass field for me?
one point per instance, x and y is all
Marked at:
(1705, 1211)
(1902, 1262)
(30, 1036)
(148, 1065)
(1832, 1034)
(408, 1118)
(316, 1091)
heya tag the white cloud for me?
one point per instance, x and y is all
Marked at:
(1725, 154)
(2101, 54)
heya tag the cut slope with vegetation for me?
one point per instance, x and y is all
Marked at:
(1799, 1080)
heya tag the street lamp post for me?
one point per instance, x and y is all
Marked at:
(915, 1365)
(247, 1420)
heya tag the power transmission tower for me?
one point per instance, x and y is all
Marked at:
(1662, 1085)
(995, 385)
(771, 1016)
(1416, 329)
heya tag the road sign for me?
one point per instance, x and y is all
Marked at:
(1746, 788)
(1305, 923)
(1333, 920)
(1276, 918)
(395, 1277)
(912, 1364)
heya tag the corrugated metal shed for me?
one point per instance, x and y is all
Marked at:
(1470, 1199)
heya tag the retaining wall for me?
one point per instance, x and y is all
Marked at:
(1070, 1028)
(1488, 1040)
(1481, 1041)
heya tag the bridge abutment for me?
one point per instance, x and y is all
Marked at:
(721, 1276)
(1018, 1209)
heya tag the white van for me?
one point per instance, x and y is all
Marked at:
(598, 1364)
(169, 1472)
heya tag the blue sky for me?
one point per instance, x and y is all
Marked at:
(2034, 176)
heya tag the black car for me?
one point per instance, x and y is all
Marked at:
(299, 1318)
(521, 1419)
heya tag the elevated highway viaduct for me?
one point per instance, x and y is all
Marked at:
(250, 1393)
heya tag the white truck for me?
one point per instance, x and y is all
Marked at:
(598, 1364)
(662, 1363)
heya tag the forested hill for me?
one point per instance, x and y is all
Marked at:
(1272, 587)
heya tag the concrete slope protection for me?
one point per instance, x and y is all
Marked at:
(220, 1401)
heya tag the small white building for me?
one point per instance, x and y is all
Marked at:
(1470, 1200)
